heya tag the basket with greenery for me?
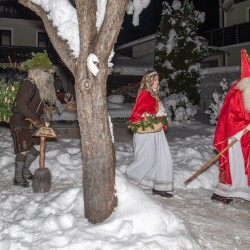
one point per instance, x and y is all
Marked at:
(149, 124)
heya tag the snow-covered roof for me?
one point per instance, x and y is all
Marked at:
(227, 69)
(136, 42)
(128, 66)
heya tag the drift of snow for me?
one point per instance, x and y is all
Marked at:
(56, 219)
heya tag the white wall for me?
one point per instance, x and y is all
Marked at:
(236, 15)
(23, 32)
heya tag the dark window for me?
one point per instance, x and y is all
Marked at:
(239, 1)
(5, 37)
(43, 40)
(7, 8)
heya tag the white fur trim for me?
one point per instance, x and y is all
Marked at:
(244, 86)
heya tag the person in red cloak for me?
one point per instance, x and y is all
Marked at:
(233, 123)
(152, 168)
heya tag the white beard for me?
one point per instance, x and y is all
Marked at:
(244, 86)
(45, 83)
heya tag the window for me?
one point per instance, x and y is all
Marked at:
(7, 8)
(42, 40)
(239, 1)
(5, 37)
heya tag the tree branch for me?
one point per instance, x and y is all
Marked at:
(86, 14)
(114, 16)
(59, 44)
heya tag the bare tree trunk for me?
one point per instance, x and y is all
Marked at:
(97, 147)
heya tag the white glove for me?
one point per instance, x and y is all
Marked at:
(248, 127)
(238, 135)
(59, 106)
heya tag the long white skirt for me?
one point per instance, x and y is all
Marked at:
(239, 187)
(153, 166)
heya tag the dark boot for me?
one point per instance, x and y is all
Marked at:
(162, 193)
(31, 156)
(218, 198)
(19, 165)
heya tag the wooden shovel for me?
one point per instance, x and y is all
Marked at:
(42, 176)
(212, 160)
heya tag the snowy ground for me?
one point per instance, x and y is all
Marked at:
(55, 220)
(214, 226)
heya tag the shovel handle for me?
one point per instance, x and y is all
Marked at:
(42, 152)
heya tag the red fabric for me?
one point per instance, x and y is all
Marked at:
(245, 64)
(232, 119)
(145, 102)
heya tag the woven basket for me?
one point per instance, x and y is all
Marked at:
(70, 106)
(157, 128)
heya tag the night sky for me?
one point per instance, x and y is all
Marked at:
(151, 16)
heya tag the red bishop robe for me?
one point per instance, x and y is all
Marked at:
(232, 119)
(145, 102)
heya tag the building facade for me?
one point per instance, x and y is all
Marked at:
(234, 31)
(22, 33)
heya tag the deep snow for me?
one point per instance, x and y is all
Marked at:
(55, 220)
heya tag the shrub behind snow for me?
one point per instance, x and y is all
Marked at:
(214, 108)
(179, 109)
(118, 99)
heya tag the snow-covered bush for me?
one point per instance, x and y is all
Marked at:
(179, 109)
(214, 108)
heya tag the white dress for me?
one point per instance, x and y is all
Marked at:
(153, 166)
(239, 187)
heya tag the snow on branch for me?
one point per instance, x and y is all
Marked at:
(93, 64)
(64, 18)
(135, 8)
(101, 9)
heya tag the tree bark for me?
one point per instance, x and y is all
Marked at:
(97, 147)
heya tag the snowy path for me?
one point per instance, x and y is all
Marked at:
(214, 226)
